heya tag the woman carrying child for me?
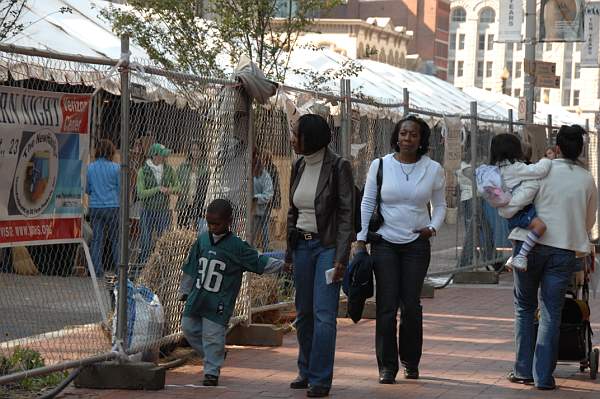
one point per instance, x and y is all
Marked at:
(517, 179)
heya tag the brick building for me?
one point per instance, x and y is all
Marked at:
(427, 19)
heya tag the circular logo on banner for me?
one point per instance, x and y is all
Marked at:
(36, 173)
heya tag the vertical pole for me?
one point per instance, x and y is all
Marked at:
(124, 208)
(348, 142)
(344, 117)
(406, 101)
(530, 42)
(511, 126)
(549, 129)
(249, 202)
(597, 177)
(474, 210)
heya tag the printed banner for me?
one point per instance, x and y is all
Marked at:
(561, 20)
(589, 50)
(510, 21)
(44, 138)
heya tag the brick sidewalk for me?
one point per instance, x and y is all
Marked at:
(468, 350)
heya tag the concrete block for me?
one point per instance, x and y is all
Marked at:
(256, 335)
(476, 277)
(428, 291)
(343, 308)
(114, 375)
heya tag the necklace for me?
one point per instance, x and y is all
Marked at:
(409, 173)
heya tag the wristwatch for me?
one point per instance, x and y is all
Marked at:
(432, 230)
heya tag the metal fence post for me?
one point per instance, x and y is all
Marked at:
(405, 101)
(474, 210)
(124, 209)
(346, 118)
(511, 126)
(549, 129)
(249, 202)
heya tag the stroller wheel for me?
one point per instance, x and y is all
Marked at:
(594, 358)
(582, 368)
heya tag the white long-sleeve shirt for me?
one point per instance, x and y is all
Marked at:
(404, 201)
(522, 181)
(566, 202)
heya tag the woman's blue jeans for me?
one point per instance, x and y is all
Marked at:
(316, 312)
(550, 270)
(150, 221)
(104, 219)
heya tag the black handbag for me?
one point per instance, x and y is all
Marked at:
(376, 220)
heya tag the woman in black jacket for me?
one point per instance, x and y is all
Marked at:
(319, 231)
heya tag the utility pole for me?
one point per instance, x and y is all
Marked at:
(530, 42)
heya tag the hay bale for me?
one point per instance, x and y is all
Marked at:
(22, 262)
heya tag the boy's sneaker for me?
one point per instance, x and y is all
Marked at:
(508, 263)
(210, 380)
(519, 263)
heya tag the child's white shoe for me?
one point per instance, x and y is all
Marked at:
(519, 263)
(508, 263)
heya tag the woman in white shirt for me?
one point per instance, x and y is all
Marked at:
(411, 181)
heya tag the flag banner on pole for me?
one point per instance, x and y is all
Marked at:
(589, 50)
(44, 140)
(511, 21)
(561, 20)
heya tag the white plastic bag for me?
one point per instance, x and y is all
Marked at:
(145, 317)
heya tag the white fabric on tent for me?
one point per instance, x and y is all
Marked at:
(84, 32)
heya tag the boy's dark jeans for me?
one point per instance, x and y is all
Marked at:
(400, 270)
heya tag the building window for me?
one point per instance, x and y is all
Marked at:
(481, 43)
(577, 73)
(546, 96)
(451, 69)
(509, 69)
(575, 97)
(459, 15)
(488, 69)
(567, 71)
(518, 68)
(548, 46)
(452, 42)
(566, 98)
(459, 68)
(519, 46)
(480, 69)
(461, 41)
(537, 94)
(517, 92)
(490, 43)
(487, 16)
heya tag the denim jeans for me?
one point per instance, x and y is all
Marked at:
(101, 219)
(208, 339)
(549, 269)
(260, 229)
(316, 312)
(150, 221)
(400, 270)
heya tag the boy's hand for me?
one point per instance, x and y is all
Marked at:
(338, 273)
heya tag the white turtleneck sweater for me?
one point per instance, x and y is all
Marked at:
(304, 196)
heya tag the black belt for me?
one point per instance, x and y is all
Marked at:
(307, 235)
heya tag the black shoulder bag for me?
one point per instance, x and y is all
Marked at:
(376, 220)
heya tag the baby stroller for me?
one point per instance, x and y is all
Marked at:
(575, 342)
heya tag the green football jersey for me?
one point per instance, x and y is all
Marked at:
(217, 269)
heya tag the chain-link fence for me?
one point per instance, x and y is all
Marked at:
(182, 141)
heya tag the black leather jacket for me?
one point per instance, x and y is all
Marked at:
(334, 205)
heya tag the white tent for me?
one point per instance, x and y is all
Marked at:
(83, 32)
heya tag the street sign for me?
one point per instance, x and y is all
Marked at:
(522, 108)
(550, 81)
(540, 67)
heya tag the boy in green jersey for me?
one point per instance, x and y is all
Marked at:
(212, 276)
